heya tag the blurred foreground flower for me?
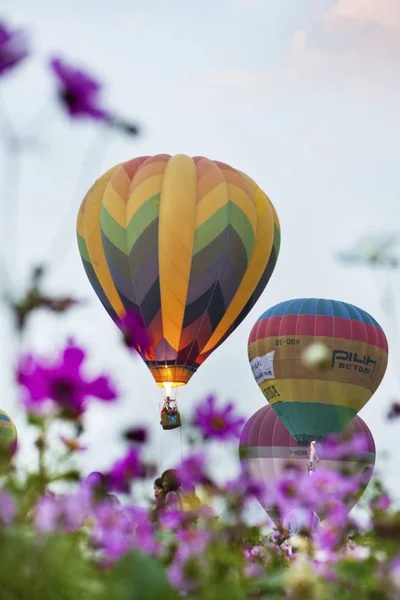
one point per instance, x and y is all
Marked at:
(35, 299)
(316, 356)
(217, 423)
(79, 94)
(78, 91)
(13, 48)
(134, 332)
(394, 411)
(124, 471)
(137, 435)
(60, 384)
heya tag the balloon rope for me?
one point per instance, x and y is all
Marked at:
(180, 433)
(161, 434)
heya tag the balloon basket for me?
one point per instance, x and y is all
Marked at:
(170, 416)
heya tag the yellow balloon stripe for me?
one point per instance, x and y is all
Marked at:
(95, 244)
(176, 236)
(322, 392)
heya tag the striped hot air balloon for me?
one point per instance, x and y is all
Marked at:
(266, 447)
(187, 243)
(316, 401)
(8, 436)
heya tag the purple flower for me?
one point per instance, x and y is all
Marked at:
(119, 529)
(383, 503)
(171, 519)
(328, 537)
(124, 471)
(7, 508)
(13, 48)
(47, 514)
(394, 411)
(60, 384)
(217, 423)
(134, 333)
(334, 447)
(63, 513)
(187, 573)
(112, 531)
(193, 541)
(78, 91)
(395, 572)
(244, 486)
(192, 469)
(137, 435)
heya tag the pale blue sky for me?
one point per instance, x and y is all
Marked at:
(302, 95)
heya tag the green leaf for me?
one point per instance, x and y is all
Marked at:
(139, 577)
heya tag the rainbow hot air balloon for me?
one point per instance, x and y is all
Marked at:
(8, 437)
(189, 244)
(266, 447)
(316, 401)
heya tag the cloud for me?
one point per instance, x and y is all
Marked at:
(385, 13)
(352, 48)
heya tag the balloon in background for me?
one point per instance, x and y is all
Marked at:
(8, 437)
(187, 243)
(317, 400)
(266, 447)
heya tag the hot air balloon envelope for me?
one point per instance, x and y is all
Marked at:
(318, 400)
(266, 447)
(189, 244)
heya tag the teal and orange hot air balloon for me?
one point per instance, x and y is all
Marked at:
(189, 244)
(313, 401)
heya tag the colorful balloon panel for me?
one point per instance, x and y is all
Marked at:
(266, 447)
(188, 243)
(315, 402)
(8, 436)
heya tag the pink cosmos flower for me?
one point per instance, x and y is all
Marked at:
(59, 384)
(192, 469)
(217, 423)
(135, 334)
(13, 48)
(124, 471)
(7, 508)
(78, 91)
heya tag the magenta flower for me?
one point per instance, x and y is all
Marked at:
(60, 384)
(217, 423)
(124, 471)
(119, 529)
(7, 508)
(192, 469)
(137, 435)
(171, 519)
(112, 532)
(186, 573)
(134, 333)
(394, 411)
(333, 447)
(13, 48)
(383, 503)
(63, 513)
(192, 541)
(78, 91)
(245, 486)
